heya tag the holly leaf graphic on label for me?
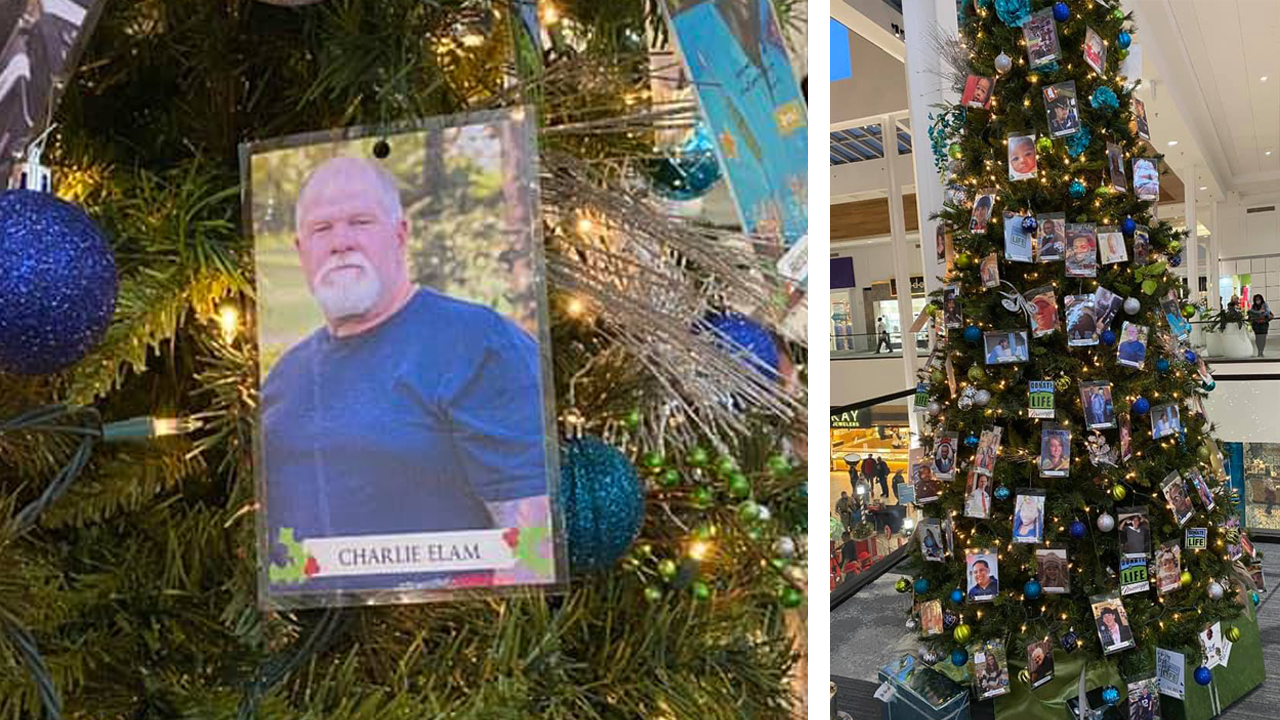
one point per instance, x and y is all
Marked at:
(295, 571)
(534, 550)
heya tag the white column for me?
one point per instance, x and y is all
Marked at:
(1191, 243)
(1216, 211)
(925, 88)
(901, 263)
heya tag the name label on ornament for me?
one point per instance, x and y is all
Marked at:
(410, 553)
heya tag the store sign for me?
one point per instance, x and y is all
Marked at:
(851, 419)
(917, 286)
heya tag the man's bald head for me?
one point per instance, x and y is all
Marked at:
(342, 173)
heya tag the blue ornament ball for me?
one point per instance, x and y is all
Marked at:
(1078, 529)
(1256, 598)
(1077, 189)
(57, 283)
(603, 503)
(1032, 589)
(971, 441)
(1070, 641)
(1204, 675)
(1002, 493)
(972, 334)
(957, 596)
(1108, 337)
(1061, 12)
(1128, 226)
(1141, 406)
(1191, 356)
(1162, 365)
(1123, 40)
(1110, 695)
(745, 334)
(959, 657)
(1175, 260)
(921, 586)
(1029, 224)
(690, 171)
(1209, 386)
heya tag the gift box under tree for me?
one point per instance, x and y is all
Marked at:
(919, 692)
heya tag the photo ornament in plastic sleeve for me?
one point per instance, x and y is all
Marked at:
(406, 446)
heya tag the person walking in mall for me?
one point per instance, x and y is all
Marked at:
(844, 506)
(882, 475)
(1260, 318)
(868, 469)
(882, 336)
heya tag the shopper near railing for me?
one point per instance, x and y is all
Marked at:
(1260, 317)
(882, 336)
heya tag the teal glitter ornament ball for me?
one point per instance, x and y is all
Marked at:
(57, 283)
(690, 171)
(1111, 695)
(603, 501)
(959, 657)
(1077, 189)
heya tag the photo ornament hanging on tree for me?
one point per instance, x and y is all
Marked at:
(407, 443)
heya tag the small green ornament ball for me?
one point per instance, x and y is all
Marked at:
(902, 585)
(1233, 634)
(963, 260)
(1122, 53)
(1062, 383)
(1102, 191)
(670, 478)
(653, 460)
(1202, 452)
(1174, 246)
(1188, 311)
(790, 598)
(779, 465)
(1118, 492)
(976, 373)
(653, 593)
(726, 465)
(633, 419)
(739, 486)
(1044, 145)
(1117, 15)
(700, 590)
(962, 633)
(702, 496)
(667, 568)
(955, 152)
(1185, 579)
(697, 457)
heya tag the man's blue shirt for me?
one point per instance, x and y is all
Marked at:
(411, 426)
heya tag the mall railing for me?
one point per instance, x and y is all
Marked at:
(877, 524)
(864, 345)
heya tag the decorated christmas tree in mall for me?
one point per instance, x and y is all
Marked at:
(1080, 534)
(401, 359)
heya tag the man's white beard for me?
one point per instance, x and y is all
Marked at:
(340, 297)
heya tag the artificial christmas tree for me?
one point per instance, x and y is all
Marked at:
(130, 584)
(1090, 513)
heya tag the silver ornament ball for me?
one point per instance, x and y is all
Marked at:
(982, 398)
(1106, 523)
(965, 402)
(934, 408)
(912, 624)
(1132, 305)
(1003, 63)
(784, 547)
(1215, 591)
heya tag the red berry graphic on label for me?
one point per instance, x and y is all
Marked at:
(512, 536)
(312, 567)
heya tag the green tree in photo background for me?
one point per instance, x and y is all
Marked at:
(134, 594)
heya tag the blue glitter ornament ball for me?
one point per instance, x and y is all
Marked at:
(1204, 675)
(1111, 695)
(1061, 12)
(1032, 589)
(1002, 493)
(1128, 226)
(972, 334)
(691, 170)
(921, 586)
(959, 657)
(1108, 337)
(1077, 529)
(957, 596)
(603, 503)
(746, 334)
(1077, 189)
(1162, 365)
(57, 283)
(1141, 405)
(971, 441)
